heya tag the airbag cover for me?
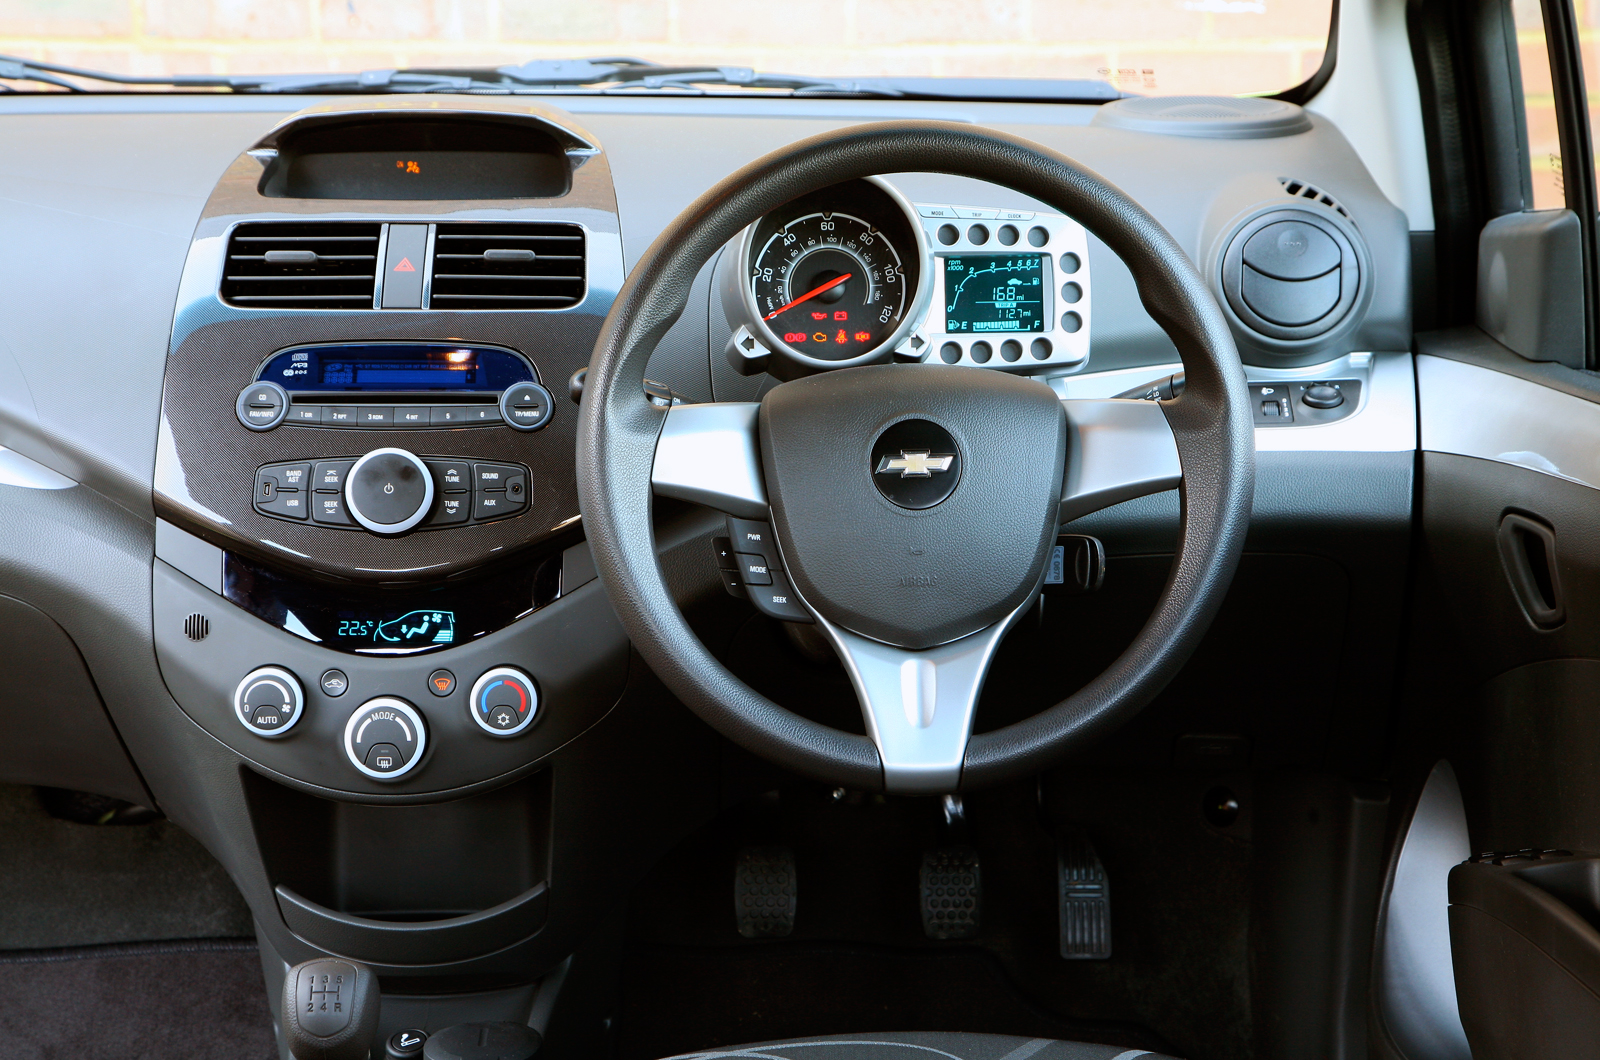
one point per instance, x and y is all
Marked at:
(907, 575)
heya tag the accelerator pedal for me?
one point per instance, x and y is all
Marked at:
(952, 892)
(764, 892)
(1085, 900)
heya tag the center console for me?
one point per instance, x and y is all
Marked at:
(371, 591)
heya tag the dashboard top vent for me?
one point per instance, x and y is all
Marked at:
(1301, 190)
(301, 266)
(1209, 117)
(515, 265)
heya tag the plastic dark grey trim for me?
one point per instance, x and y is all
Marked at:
(418, 942)
(618, 433)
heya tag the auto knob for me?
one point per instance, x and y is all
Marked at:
(269, 701)
(389, 491)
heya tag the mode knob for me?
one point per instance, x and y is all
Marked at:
(269, 701)
(504, 701)
(389, 491)
(385, 738)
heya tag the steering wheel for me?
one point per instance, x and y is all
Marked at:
(915, 600)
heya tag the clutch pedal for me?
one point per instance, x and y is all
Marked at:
(764, 892)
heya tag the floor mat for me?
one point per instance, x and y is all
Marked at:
(200, 1000)
(66, 884)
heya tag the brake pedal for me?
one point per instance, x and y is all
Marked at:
(952, 892)
(764, 892)
(1085, 900)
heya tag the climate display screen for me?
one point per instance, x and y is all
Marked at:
(396, 368)
(995, 293)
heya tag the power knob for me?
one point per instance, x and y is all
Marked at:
(269, 701)
(388, 491)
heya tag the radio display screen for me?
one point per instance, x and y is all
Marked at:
(995, 293)
(390, 368)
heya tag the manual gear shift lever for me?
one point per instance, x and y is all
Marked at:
(330, 1010)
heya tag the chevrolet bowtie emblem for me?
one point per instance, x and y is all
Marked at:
(915, 463)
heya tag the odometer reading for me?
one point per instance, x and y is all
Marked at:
(829, 285)
(993, 292)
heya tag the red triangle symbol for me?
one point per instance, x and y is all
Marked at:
(405, 266)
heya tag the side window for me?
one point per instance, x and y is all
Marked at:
(1539, 101)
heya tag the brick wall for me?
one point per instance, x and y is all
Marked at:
(1148, 46)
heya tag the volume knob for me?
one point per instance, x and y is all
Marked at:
(389, 491)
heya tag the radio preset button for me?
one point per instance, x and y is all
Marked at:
(412, 417)
(481, 414)
(304, 414)
(375, 417)
(339, 415)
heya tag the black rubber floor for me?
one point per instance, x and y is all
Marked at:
(196, 1000)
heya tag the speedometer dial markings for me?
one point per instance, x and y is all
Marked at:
(830, 285)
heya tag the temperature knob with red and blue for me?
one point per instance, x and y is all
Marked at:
(504, 701)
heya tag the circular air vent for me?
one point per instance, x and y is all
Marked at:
(1291, 275)
(1212, 117)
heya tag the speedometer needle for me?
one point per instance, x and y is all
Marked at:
(830, 285)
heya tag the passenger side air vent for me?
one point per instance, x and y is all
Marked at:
(301, 266)
(1301, 190)
(508, 266)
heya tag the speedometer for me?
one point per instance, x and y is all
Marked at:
(834, 278)
(831, 285)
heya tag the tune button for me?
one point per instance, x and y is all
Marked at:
(385, 738)
(504, 701)
(269, 701)
(389, 491)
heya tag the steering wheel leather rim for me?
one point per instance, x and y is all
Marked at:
(1210, 422)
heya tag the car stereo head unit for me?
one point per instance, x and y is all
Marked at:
(395, 385)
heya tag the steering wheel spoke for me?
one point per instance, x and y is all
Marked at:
(709, 454)
(918, 705)
(1117, 449)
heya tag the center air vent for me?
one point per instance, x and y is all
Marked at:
(508, 266)
(301, 266)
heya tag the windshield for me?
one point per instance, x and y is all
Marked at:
(1144, 47)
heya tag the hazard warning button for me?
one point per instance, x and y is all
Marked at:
(403, 258)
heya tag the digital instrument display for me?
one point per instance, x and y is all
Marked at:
(388, 620)
(388, 368)
(995, 293)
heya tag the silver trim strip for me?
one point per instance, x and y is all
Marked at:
(708, 454)
(1116, 450)
(918, 705)
(19, 470)
(184, 552)
(1472, 411)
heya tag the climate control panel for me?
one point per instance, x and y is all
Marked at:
(392, 490)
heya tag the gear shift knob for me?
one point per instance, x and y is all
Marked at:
(330, 1010)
